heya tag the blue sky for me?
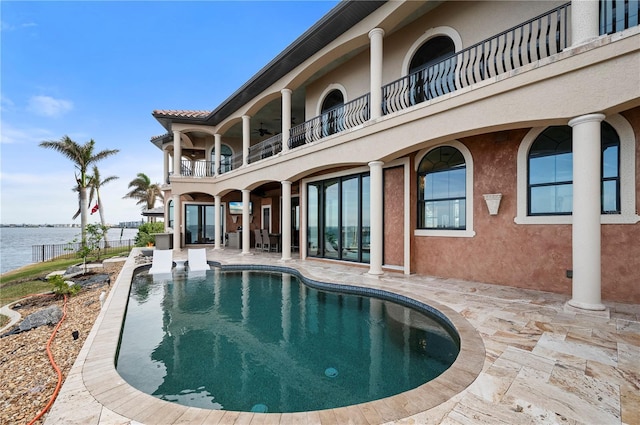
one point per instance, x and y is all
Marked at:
(97, 69)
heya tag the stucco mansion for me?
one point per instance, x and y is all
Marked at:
(477, 140)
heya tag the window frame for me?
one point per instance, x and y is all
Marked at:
(468, 232)
(626, 171)
(321, 214)
(554, 184)
(421, 203)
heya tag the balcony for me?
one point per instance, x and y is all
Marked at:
(535, 39)
(265, 149)
(335, 120)
(196, 168)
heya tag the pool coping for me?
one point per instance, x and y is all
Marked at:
(94, 378)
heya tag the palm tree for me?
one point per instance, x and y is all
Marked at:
(144, 191)
(96, 184)
(83, 156)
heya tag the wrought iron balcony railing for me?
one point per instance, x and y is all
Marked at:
(528, 42)
(535, 39)
(197, 168)
(266, 148)
(618, 15)
(335, 120)
(231, 162)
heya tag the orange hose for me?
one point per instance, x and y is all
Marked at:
(53, 364)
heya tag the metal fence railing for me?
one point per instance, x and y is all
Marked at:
(41, 253)
(535, 39)
(265, 149)
(335, 120)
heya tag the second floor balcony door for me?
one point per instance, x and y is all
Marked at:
(332, 113)
(431, 74)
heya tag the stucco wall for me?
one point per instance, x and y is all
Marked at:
(394, 216)
(474, 21)
(527, 256)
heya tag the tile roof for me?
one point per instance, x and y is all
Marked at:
(178, 113)
(162, 136)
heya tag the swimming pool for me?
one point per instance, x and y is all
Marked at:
(263, 341)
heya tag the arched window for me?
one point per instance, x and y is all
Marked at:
(432, 51)
(550, 172)
(225, 158)
(442, 190)
(171, 216)
(432, 69)
(332, 113)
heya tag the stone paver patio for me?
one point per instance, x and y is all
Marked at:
(526, 358)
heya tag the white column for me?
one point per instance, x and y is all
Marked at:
(286, 118)
(165, 176)
(217, 146)
(246, 233)
(376, 231)
(246, 139)
(208, 147)
(587, 153)
(217, 229)
(286, 220)
(177, 154)
(585, 21)
(376, 35)
(177, 221)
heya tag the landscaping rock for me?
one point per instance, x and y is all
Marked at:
(47, 316)
(92, 279)
(27, 378)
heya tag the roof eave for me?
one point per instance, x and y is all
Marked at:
(346, 13)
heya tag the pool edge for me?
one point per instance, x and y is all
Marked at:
(94, 379)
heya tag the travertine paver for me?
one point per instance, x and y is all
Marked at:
(540, 363)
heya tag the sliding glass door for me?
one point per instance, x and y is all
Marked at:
(199, 224)
(338, 218)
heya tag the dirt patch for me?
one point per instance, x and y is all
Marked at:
(28, 380)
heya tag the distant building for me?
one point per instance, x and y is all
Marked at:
(153, 214)
(130, 224)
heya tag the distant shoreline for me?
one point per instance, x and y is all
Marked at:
(16, 243)
(129, 225)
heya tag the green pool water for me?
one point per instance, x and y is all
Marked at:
(263, 341)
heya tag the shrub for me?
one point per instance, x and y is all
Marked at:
(61, 287)
(145, 236)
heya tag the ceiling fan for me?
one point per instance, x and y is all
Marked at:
(262, 131)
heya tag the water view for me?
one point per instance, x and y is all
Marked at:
(16, 242)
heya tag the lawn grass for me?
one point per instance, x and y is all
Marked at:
(30, 279)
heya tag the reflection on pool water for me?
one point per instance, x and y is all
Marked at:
(261, 341)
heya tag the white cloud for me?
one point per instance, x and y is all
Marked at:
(10, 134)
(48, 198)
(48, 106)
(5, 26)
(5, 103)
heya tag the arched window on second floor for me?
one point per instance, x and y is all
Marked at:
(332, 113)
(225, 158)
(432, 69)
